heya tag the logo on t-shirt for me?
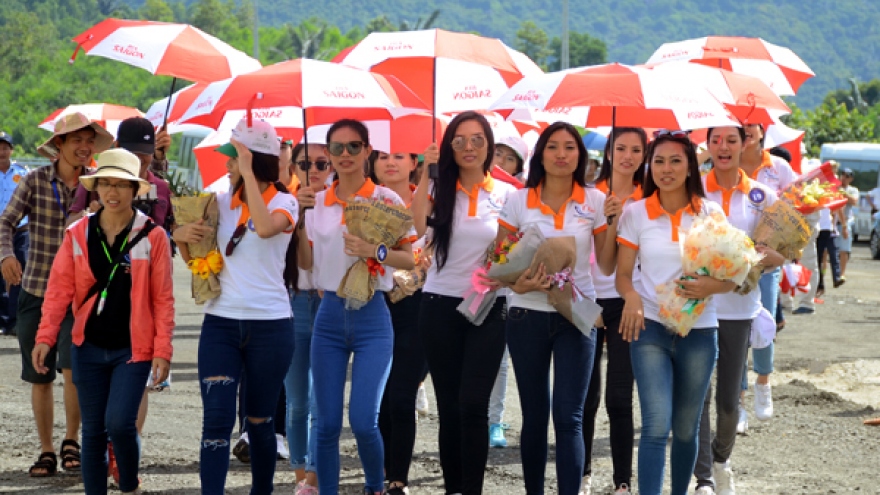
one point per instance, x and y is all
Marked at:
(496, 202)
(756, 195)
(584, 212)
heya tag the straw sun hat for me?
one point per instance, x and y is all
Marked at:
(117, 163)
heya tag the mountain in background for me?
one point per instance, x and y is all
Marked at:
(837, 39)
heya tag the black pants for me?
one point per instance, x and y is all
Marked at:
(464, 361)
(618, 395)
(397, 414)
(279, 420)
(826, 242)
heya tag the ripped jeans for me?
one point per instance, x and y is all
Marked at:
(263, 349)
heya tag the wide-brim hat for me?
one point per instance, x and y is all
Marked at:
(74, 122)
(117, 164)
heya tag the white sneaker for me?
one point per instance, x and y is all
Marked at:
(704, 490)
(422, 401)
(586, 486)
(283, 453)
(723, 478)
(742, 425)
(763, 402)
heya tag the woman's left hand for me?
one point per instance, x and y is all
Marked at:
(771, 258)
(245, 158)
(700, 287)
(355, 246)
(161, 368)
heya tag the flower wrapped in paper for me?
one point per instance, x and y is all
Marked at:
(712, 247)
(814, 190)
(506, 261)
(407, 282)
(376, 222)
(206, 261)
(782, 229)
(559, 257)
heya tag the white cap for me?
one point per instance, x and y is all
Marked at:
(260, 136)
(516, 143)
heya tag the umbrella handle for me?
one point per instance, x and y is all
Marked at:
(167, 109)
(610, 219)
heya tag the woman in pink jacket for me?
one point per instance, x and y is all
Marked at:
(114, 267)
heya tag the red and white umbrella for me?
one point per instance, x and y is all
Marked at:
(177, 50)
(779, 67)
(614, 95)
(748, 98)
(453, 72)
(179, 102)
(106, 115)
(327, 91)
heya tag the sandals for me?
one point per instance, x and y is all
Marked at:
(47, 464)
(70, 457)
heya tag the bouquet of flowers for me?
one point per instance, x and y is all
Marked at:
(559, 257)
(375, 221)
(506, 261)
(711, 247)
(407, 282)
(815, 190)
(206, 261)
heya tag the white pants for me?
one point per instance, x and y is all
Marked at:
(499, 391)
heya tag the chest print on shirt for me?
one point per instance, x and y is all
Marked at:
(250, 225)
(126, 264)
(584, 213)
(496, 202)
(757, 197)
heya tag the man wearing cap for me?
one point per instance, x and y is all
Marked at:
(136, 134)
(11, 174)
(44, 196)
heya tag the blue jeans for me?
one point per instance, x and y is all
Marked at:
(762, 359)
(534, 339)
(339, 333)
(672, 376)
(110, 389)
(260, 351)
(9, 307)
(301, 433)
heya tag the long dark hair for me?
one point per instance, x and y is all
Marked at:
(607, 167)
(536, 164)
(742, 134)
(694, 182)
(444, 190)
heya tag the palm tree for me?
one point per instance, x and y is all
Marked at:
(418, 25)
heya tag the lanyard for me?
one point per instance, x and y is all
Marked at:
(58, 200)
(103, 297)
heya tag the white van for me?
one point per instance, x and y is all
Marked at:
(864, 160)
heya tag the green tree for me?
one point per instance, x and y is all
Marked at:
(419, 25)
(380, 24)
(583, 50)
(831, 122)
(533, 41)
(157, 10)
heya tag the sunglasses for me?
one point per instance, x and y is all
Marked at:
(321, 165)
(354, 147)
(235, 239)
(460, 142)
(666, 132)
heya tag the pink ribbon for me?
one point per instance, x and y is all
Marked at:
(479, 288)
(559, 279)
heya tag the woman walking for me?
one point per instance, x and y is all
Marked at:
(339, 332)
(463, 358)
(672, 372)
(114, 267)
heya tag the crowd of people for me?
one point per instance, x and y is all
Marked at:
(87, 261)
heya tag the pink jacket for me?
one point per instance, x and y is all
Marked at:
(152, 293)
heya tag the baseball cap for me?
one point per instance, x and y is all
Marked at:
(260, 137)
(136, 134)
(516, 143)
(848, 171)
(6, 138)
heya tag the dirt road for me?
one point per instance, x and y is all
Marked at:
(828, 381)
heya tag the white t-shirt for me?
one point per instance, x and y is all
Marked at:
(743, 205)
(875, 197)
(580, 217)
(252, 278)
(774, 172)
(648, 228)
(474, 228)
(825, 220)
(325, 225)
(603, 284)
(850, 191)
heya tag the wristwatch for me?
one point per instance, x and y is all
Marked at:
(381, 253)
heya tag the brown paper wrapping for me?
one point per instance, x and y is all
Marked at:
(783, 229)
(190, 209)
(407, 282)
(375, 222)
(557, 254)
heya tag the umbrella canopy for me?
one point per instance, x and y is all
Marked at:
(179, 102)
(614, 94)
(106, 115)
(327, 91)
(177, 50)
(453, 72)
(779, 67)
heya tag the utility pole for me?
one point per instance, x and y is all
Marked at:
(256, 32)
(563, 56)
